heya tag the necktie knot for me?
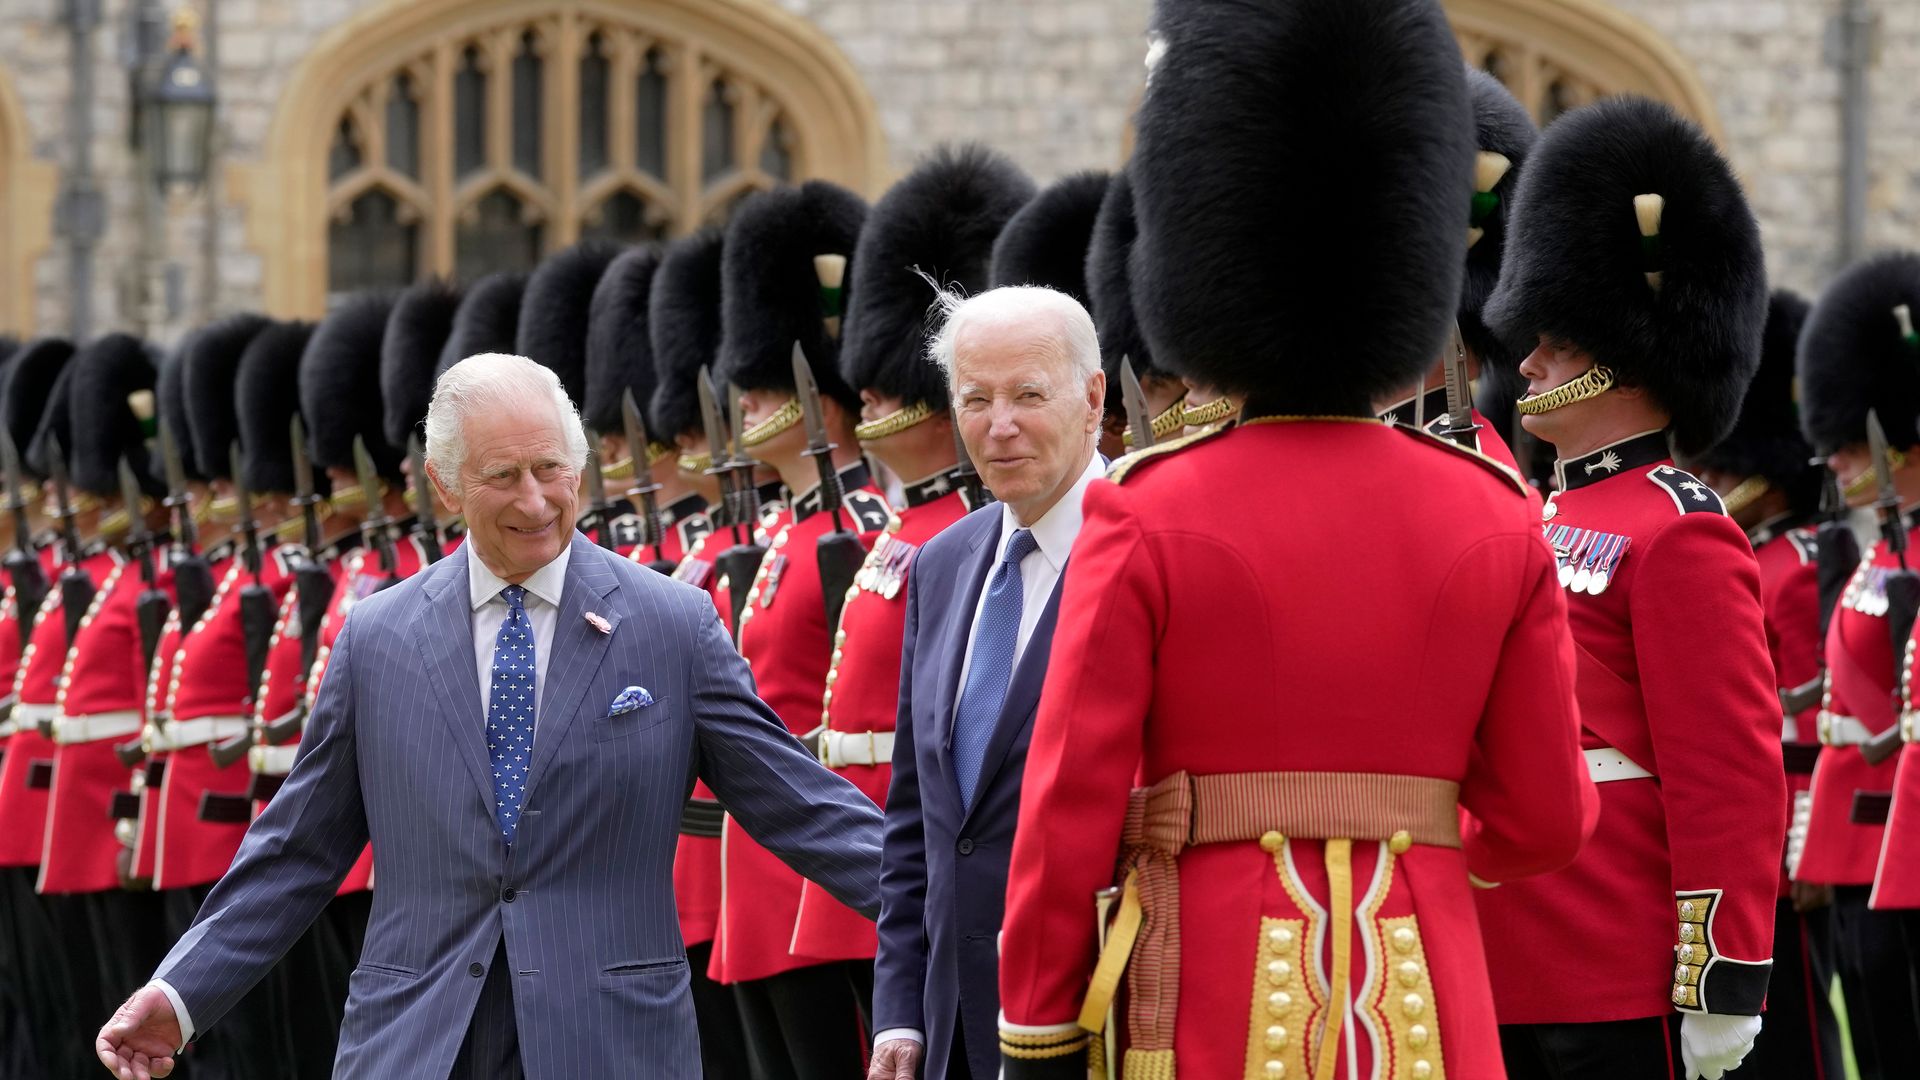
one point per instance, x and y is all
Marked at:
(515, 596)
(1020, 545)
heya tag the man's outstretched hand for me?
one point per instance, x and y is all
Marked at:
(140, 1041)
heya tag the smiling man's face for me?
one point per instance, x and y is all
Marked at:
(1026, 415)
(517, 488)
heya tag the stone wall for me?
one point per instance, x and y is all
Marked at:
(1050, 83)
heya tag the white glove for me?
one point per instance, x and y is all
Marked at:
(1712, 1044)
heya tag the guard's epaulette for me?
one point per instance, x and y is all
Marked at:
(1126, 464)
(1507, 476)
(870, 510)
(1806, 544)
(1689, 494)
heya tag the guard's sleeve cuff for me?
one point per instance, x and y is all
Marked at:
(1045, 1052)
(1704, 981)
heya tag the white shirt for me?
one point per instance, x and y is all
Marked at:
(489, 611)
(1040, 571)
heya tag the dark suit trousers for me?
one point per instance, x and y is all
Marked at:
(1646, 1049)
(1877, 984)
(1799, 1039)
(491, 1050)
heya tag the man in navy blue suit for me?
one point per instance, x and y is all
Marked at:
(1023, 368)
(516, 729)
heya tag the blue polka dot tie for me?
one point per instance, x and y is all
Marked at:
(990, 668)
(510, 710)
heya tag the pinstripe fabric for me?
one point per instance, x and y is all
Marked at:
(395, 752)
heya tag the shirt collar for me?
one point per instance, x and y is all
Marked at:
(483, 584)
(1057, 528)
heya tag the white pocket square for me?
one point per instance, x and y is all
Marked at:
(633, 697)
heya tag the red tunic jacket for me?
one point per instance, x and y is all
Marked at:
(103, 681)
(20, 806)
(1790, 598)
(1408, 627)
(207, 681)
(784, 636)
(1860, 699)
(1676, 680)
(863, 691)
(23, 803)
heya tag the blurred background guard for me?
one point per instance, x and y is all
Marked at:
(1859, 356)
(1110, 300)
(940, 220)
(1765, 474)
(806, 1016)
(1260, 932)
(52, 991)
(1634, 265)
(1504, 134)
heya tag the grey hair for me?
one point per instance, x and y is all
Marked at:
(1069, 330)
(494, 382)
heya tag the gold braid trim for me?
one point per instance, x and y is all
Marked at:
(783, 418)
(1597, 380)
(1744, 493)
(695, 463)
(1867, 481)
(1041, 1040)
(893, 423)
(1211, 412)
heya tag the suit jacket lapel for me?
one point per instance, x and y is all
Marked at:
(959, 616)
(1023, 693)
(444, 628)
(578, 648)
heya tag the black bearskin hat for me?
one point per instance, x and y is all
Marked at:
(1300, 181)
(170, 390)
(267, 396)
(1501, 126)
(340, 385)
(207, 381)
(683, 324)
(487, 321)
(1766, 439)
(619, 347)
(1109, 287)
(105, 427)
(771, 295)
(1857, 354)
(555, 309)
(1045, 242)
(941, 219)
(1579, 269)
(31, 375)
(418, 329)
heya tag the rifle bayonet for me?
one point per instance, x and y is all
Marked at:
(1892, 528)
(838, 550)
(1139, 420)
(244, 526)
(644, 490)
(23, 562)
(1461, 427)
(597, 504)
(425, 520)
(374, 527)
(719, 459)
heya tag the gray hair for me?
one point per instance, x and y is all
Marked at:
(1064, 323)
(490, 382)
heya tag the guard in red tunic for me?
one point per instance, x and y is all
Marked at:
(1764, 474)
(939, 220)
(681, 316)
(1859, 353)
(1634, 262)
(1504, 134)
(1293, 893)
(785, 254)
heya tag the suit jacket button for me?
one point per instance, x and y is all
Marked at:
(965, 846)
(476, 970)
(507, 894)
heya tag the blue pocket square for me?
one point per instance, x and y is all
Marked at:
(633, 697)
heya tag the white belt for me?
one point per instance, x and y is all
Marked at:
(27, 716)
(180, 734)
(273, 760)
(68, 730)
(842, 748)
(1606, 764)
(1842, 730)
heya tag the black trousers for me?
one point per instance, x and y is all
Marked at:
(1646, 1049)
(723, 1038)
(806, 1024)
(51, 966)
(1799, 1039)
(1877, 981)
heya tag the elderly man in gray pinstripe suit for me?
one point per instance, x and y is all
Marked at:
(523, 821)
